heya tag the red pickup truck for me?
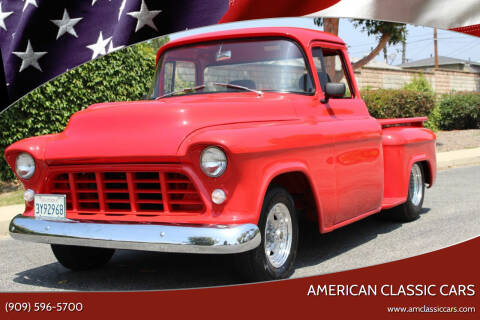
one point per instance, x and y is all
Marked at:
(244, 133)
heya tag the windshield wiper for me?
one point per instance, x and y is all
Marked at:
(186, 90)
(229, 85)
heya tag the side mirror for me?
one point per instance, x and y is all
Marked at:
(334, 90)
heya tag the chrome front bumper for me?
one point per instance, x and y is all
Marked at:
(163, 238)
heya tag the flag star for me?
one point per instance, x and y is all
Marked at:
(112, 49)
(93, 2)
(144, 17)
(66, 25)
(122, 7)
(98, 48)
(29, 57)
(3, 16)
(32, 2)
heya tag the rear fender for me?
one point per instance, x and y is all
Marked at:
(429, 176)
(402, 147)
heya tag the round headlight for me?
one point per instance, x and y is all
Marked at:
(213, 162)
(25, 165)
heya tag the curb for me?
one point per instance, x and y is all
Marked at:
(458, 158)
(6, 214)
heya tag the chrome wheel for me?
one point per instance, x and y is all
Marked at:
(275, 258)
(415, 187)
(278, 235)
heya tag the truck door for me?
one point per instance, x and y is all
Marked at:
(357, 148)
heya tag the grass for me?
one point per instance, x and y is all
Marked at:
(11, 193)
(12, 197)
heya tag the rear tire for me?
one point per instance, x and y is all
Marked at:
(410, 210)
(274, 258)
(81, 258)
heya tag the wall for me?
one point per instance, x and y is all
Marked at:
(441, 80)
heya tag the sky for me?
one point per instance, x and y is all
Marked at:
(419, 39)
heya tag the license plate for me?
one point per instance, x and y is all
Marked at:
(50, 206)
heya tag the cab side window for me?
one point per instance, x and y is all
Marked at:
(320, 66)
(331, 67)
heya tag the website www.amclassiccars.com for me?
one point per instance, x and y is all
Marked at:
(431, 309)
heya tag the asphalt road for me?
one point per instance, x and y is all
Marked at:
(450, 215)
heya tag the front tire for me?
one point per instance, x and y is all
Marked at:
(410, 210)
(274, 258)
(81, 258)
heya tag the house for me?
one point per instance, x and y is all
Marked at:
(443, 63)
(452, 75)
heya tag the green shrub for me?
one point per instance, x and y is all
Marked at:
(433, 119)
(460, 110)
(419, 84)
(120, 76)
(393, 103)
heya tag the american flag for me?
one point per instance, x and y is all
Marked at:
(40, 39)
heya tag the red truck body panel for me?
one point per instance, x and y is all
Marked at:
(352, 164)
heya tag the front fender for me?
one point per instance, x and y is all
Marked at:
(35, 146)
(280, 168)
(258, 152)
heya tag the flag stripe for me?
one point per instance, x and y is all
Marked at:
(472, 30)
(443, 14)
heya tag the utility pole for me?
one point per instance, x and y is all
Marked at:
(404, 51)
(331, 25)
(435, 47)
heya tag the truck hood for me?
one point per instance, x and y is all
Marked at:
(152, 129)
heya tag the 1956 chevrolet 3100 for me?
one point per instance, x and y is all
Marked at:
(243, 133)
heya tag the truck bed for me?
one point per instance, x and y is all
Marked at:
(412, 122)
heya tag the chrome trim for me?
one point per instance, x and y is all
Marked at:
(148, 237)
(278, 235)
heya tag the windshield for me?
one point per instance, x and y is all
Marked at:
(232, 66)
